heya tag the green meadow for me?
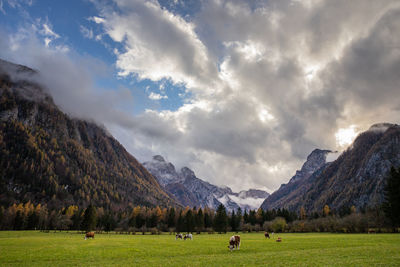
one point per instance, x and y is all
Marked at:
(33, 248)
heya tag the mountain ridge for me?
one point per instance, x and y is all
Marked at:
(192, 191)
(48, 157)
(355, 178)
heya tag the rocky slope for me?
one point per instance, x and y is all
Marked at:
(48, 157)
(192, 191)
(355, 178)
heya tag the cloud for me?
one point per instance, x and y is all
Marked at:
(68, 77)
(87, 33)
(18, 3)
(1, 8)
(97, 20)
(266, 82)
(158, 44)
(47, 31)
(155, 96)
(271, 80)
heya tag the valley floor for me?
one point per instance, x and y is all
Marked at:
(33, 248)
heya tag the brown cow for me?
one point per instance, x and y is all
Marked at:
(266, 234)
(89, 235)
(234, 241)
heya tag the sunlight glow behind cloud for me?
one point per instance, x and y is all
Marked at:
(346, 136)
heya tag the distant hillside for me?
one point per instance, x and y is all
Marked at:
(191, 191)
(356, 178)
(47, 157)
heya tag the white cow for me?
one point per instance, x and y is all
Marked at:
(188, 236)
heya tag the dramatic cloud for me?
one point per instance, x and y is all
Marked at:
(271, 81)
(68, 76)
(158, 44)
(266, 81)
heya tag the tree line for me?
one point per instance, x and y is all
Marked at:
(27, 216)
(144, 219)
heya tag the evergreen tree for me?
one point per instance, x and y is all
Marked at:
(239, 218)
(33, 221)
(233, 221)
(2, 210)
(199, 221)
(140, 220)
(269, 215)
(131, 222)
(19, 221)
(207, 220)
(245, 217)
(77, 220)
(260, 215)
(221, 219)
(252, 217)
(89, 219)
(108, 222)
(189, 221)
(180, 224)
(391, 206)
(171, 218)
(152, 222)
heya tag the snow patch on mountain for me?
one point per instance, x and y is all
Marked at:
(248, 202)
(200, 193)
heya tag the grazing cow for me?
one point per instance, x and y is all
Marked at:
(178, 236)
(279, 239)
(266, 234)
(89, 235)
(234, 241)
(188, 236)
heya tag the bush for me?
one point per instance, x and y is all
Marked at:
(154, 231)
(267, 226)
(210, 230)
(279, 224)
(247, 228)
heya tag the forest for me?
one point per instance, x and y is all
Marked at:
(383, 218)
(141, 219)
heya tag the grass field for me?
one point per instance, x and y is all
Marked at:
(31, 248)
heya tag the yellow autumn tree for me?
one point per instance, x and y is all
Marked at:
(302, 213)
(353, 209)
(71, 210)
(326, 210)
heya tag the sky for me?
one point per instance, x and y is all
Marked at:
(239, 91)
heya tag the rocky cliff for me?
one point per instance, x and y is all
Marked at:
(192, 191)
(356, 178)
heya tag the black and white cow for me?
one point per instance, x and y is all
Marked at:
(188, 236)
(178, 236)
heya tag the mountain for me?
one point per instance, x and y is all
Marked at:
(355, 178)
(192, 191)
(48, 157)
